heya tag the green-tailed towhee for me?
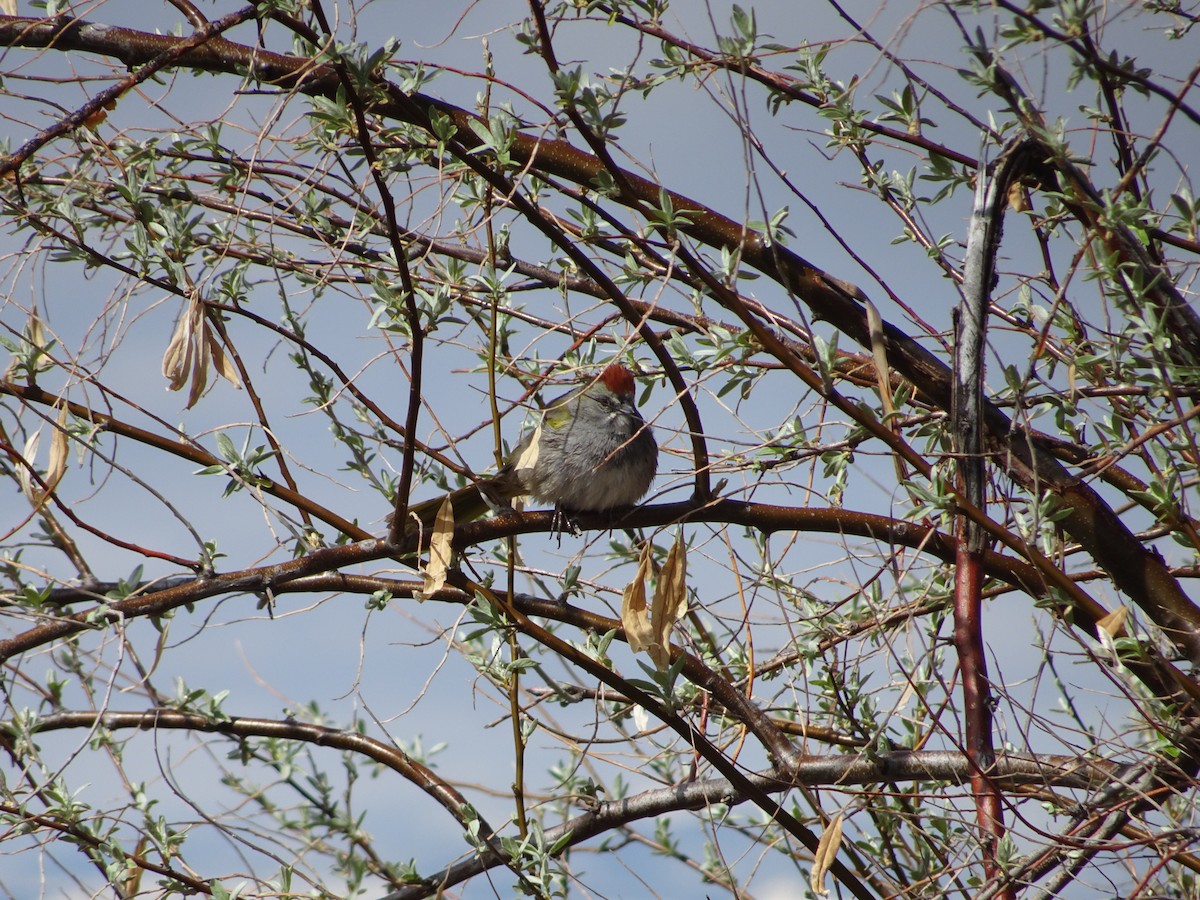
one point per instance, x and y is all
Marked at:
(591, 452)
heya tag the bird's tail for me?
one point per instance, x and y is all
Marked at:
(469, 503)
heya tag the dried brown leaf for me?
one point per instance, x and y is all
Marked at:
(178, 363)
(35, 333)
(670, 595)
(879, 356)
(440, 551)
(200, 359)
(1018, 198)
(34, 337)
(633, 607)
(827, 849)
(222, 363)
(97, 117)
(25, 472)
(1114, 622)
(59, 445)
(192, 349)
(670, 602)
(526, 457)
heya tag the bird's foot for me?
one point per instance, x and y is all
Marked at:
(564, 521)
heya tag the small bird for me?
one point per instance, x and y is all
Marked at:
(590, 452)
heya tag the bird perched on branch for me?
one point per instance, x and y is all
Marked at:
(590, 452)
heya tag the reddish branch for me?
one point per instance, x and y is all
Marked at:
(966, 419)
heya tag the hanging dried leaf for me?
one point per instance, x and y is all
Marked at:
(33, 354)
(25, 472)
(222, 363)
(1114, 622)
(879, 356)
(670, 595)
(827, 849)
(526, 457)
(633, 606)
(670, 602)
(440, 551)
(35, 334)
(1018, 197)
(184, 360)
(97, 117)
(192, 348)
(58, 452)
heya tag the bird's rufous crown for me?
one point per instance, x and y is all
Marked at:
(618, 379)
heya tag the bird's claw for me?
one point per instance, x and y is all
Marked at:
(564, 521)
